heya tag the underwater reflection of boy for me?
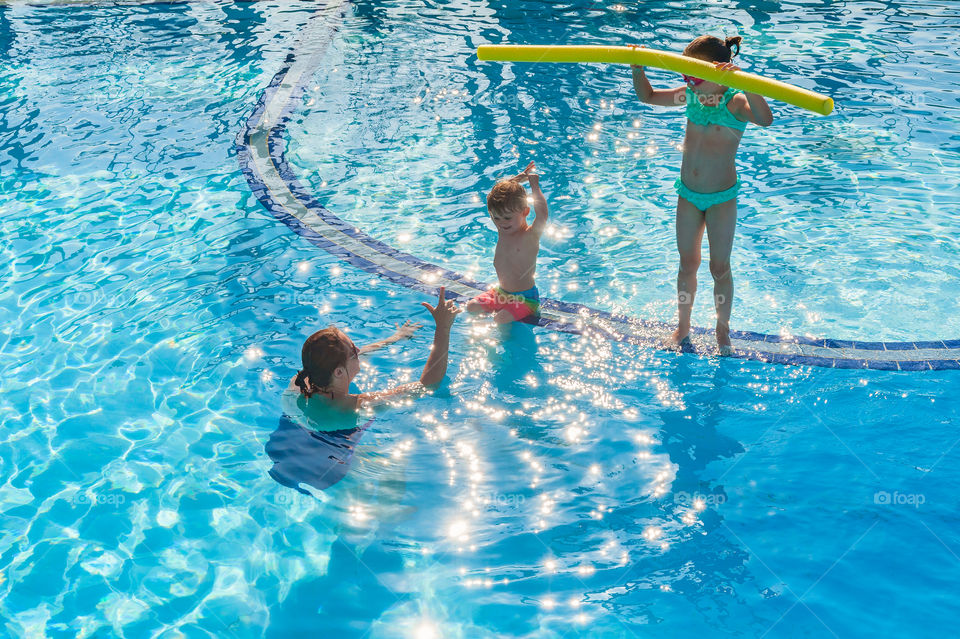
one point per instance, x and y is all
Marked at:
(707, 187)
(516, 297)
(317, 434)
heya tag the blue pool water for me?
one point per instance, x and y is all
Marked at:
(558, 485)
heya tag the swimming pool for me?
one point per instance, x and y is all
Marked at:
(561, 484)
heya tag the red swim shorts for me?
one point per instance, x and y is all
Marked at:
(519, 305)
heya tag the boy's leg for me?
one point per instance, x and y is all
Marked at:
(483, 303)
(721, 226)
(503, 316)
(690, 225)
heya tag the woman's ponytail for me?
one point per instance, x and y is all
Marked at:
(733, 44)
(302, 382)
(321, 354)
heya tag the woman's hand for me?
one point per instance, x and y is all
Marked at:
(445, 312)
(403, 332)
(406, 331)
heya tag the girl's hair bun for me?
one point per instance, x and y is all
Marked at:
(712, 48)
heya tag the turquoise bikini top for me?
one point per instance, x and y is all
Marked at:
(698, 113)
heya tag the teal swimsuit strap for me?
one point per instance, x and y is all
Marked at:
(698, 113)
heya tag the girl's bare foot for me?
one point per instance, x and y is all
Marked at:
(677, 340)
(723, 340)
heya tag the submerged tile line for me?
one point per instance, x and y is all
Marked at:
(261, 152)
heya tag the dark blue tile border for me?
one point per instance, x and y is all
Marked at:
(849, 363)
(936, 344)
(906, 365)
(882, 365)
(838, 343)
(900, 346)
(810, 360)
(944, 364)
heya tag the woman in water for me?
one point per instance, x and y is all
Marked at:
(331, 360)
(707, 187)
(315, 439)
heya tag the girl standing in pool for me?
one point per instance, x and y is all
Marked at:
(707, 187)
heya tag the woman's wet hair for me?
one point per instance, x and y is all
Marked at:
(322, 353)
(712, 48)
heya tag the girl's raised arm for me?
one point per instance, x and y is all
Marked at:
(664, 97)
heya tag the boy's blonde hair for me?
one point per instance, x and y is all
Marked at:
(506, 198)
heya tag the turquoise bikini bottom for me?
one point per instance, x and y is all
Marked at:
(704, 201)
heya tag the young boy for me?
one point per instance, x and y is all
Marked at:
(515, 260)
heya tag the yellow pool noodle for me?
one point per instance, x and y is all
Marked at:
(803, 98)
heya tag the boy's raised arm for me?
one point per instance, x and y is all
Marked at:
(530, 175)
(539, 203)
